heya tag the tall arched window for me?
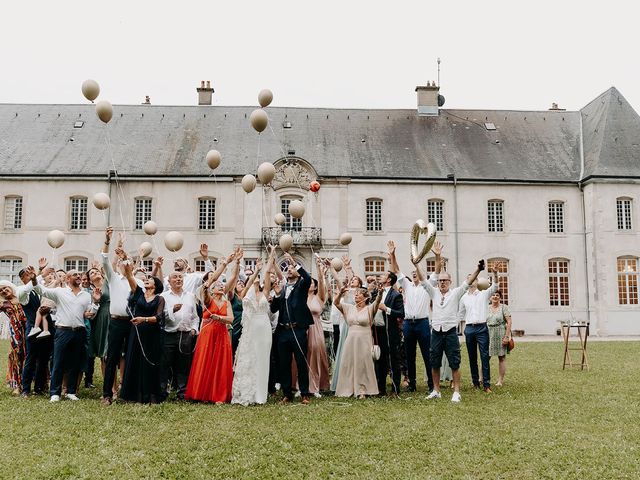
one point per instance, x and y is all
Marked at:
(556, 216)
(375, 265)
(628, 280)
(431, 265)
(13, 212)
(374, 215)
(495, 215)
(502, 264)
(206, 213)
(290, 223)
(623, 209)
(435, 213)
(142, 211)
(559, 282)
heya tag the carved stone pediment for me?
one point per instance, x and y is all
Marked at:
(293, 172)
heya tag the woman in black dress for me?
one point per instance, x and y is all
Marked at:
(141, 381)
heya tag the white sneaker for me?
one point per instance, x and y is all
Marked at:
(277, 386)
(55, 398)
(456, 397)
(317, 395)
(434, 394)
(297, 394)
(72, 396)
(44, 334)
(34, 331)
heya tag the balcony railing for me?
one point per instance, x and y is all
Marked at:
(303, 236)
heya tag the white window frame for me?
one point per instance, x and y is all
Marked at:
(142, 211)
(556, 216)
(206, 213)
(10, 265)
(503, 276)
(13, 211)
(78, 263)
(290, 224)
(435, 213)
(495, 215)
(376, 259)
(624, 210)
(628, 280)
(373, 215)
(78, 213)
(559, 280)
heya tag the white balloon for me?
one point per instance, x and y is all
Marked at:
(265, 97)
(104, 110)
(173, 241)
(248, 183)
(146, 249)
(259, 120)
(345, 238)
(483, 283)
(337, 264)
(90, 89)
(286, 242)
(266, 172)
(279, 219)
(55, 238)
(101, 201)
(150, 228)
(296, 209)
(213, 159)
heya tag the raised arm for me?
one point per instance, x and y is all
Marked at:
(478, 269)
(267, 269)
(393, 261)
(251, 279)
(222, 265)
(348, 269)
(437, 250)
(322, 283)
(156, 271)
(235, 271)
(337, 299)
(128, 268)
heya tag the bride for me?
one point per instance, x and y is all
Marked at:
(251, 379)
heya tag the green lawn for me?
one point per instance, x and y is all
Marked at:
(544, 423)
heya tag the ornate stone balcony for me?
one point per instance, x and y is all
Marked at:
(301, 236)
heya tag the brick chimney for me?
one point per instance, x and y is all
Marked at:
(429, 99)
(205, 93)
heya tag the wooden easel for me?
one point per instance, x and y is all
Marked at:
(583, 333)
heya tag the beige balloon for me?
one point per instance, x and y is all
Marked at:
(146, 248)
(286, 242)
(266, 172)
(483, 283)
(173, 241)
(259, 120)
(55, 238)
(336, 264)
(101, 201)
(248, 183)
(213, 159)
(279, 219)
(265, 97)
(104, 110)
(150, 227)
(345, 238)
(90, 89)
(296, 209)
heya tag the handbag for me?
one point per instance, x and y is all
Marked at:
(508, 343)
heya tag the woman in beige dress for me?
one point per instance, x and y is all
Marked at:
(357, 376)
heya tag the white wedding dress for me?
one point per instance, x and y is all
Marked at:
(251, 372)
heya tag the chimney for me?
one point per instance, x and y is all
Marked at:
(204, 93)
(429, 99)
(554, 107)
(147, 100)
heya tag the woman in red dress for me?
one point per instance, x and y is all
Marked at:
(211, 375)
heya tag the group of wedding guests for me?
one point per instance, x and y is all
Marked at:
(235, 335)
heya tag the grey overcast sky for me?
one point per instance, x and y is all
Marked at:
(348, 53)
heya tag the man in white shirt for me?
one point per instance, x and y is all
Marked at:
(444, 323)
(192, 281)
(181, 327)
(473, 310)
(415, 327)
(72, 306)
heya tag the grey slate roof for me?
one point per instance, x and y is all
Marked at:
(144, 140)
(611, 130)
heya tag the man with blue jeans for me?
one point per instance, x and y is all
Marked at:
(415, 327)
(473, 310)
(72, 306)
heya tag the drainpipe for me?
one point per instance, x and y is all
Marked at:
(584, 230)
(452, 176)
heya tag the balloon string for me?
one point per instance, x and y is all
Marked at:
(119, 189)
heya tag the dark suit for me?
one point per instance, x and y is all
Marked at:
(293, 320)
(389, 341)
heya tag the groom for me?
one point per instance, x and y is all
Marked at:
(293, 321)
